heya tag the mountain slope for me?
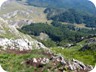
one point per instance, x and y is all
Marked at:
(21, 52)
(18, 14)
(81, 5)
(13, 16)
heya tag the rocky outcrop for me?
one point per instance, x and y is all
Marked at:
(16, 12)
(19, 13)
(79, 65)
(20, 44)
(90, 45)
(57, 63)
(11, 38)
(37, 62)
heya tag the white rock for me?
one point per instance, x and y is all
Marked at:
(21, 44)
(34, 60)
(45, 61)
(79, 64)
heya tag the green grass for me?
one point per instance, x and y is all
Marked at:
(87, 57)
(12, 62)
(37, 14)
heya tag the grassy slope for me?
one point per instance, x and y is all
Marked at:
(11, 32)
(12, 61)
(37, 14)
(6, 31)
(87, 57)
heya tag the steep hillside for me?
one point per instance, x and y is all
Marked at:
(12, 16)
(18, 14)
(81, 5)
(84, 51)
(39, 61)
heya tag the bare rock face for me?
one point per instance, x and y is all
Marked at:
(80, 65)
(20, 44)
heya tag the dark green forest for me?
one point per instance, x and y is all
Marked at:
(71, 16)
(58, 32)
(62, 31)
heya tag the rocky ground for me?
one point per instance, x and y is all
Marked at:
(20, 44)
(49, 62)
(57, 63)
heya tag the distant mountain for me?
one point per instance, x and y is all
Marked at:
(81, 5)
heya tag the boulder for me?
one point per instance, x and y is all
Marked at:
(78, 64)
(44, 61)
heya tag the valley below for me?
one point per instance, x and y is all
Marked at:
(42, 38)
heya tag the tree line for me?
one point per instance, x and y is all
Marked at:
(58, 32)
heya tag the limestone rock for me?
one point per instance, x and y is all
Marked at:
(58, 63)
(20, 44)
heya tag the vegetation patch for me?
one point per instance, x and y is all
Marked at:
(58, 33)
(88, 56)
(11, 60)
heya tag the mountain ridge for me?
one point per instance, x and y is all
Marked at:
(81, 5)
